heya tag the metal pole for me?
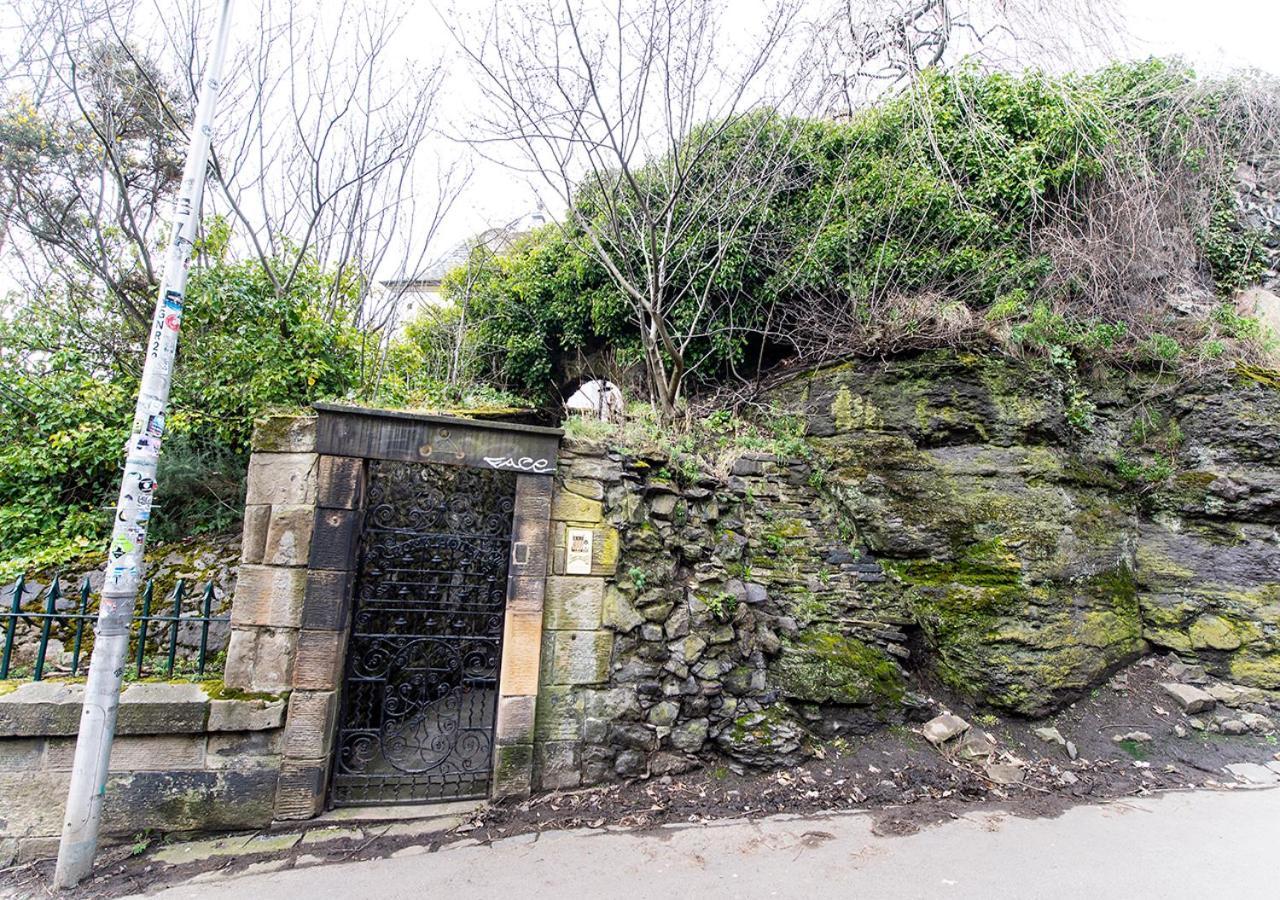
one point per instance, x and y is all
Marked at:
(133, 509)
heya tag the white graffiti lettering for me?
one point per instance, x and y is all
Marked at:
(523, 464)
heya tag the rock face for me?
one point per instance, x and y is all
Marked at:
(1036, 556)
(945, 518)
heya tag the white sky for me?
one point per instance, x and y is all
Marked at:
(1215, 36)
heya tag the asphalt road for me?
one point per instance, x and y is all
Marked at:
(1200, 844)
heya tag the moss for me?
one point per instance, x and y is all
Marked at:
(854, 413)
(9, 686)
(1133, 748)
(1214, 632)
(983, 564)
(1257, 671)
(823, 666)
(217, 690)
(761, 726)
(1265, 377)
(272, 431)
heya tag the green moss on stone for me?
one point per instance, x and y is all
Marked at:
(761, 726)
(1257, 671)
(272, 431)
(823, 666)
(217, 690)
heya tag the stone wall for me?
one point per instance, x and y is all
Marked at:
(701, 615)
(186, 757)
(946, 526)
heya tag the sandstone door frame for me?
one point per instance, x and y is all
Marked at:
(346, 439)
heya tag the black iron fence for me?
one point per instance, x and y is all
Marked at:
(178, 635)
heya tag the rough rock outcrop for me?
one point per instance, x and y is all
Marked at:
(1036, 557)
(944, 520)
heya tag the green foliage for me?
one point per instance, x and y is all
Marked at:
(66, 401)
(245, 348)
(534, 303)
(722, 605)
(638, 577)
(938, 193)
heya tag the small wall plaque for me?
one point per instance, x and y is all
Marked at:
(577, 558)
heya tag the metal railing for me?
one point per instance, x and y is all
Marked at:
(57, 616)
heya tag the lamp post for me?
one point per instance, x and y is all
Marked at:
(133, 508)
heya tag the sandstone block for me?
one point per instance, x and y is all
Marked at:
(269, 596)
(143, 753)
(41, 708)
(558, 714)
(309, 726)
(300, 789)
(326, 603)
(245, 715)
(515, 723)
(21, 754)
(1190, 699)
(288, 541)
(558, 765)
(147, 708)
(573, 603)
(521, 652)
(261, 659)
(529, 531)
(570, 507)
(29, 804)
(579, 657)
(320, 660)
(53, 708)
(284, 434)
(244, 749)
(253, 541)
(590, 488)
(189, 801)
(513, 771)
(334, 539)
(282, 479)
(340, 482)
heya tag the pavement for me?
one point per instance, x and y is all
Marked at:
(1193, 844)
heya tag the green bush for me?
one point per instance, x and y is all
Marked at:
(940, 193)
(67, 394)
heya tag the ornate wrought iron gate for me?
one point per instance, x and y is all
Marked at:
(421, 684)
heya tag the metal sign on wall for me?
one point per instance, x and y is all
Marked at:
(578, 547)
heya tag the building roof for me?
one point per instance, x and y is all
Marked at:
(494, 239)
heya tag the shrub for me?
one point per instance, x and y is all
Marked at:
(966, 211)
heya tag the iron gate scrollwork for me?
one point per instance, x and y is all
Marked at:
(421, 687)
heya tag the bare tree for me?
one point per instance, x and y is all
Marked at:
(868, 48)
(317, 159)
(628, 111)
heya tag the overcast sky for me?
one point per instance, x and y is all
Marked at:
(1214, 35)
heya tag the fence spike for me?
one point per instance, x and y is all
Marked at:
(207, 607)
(50, 605)
(80, 619)
(15, 608)
(173, 626)
(143, 621)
